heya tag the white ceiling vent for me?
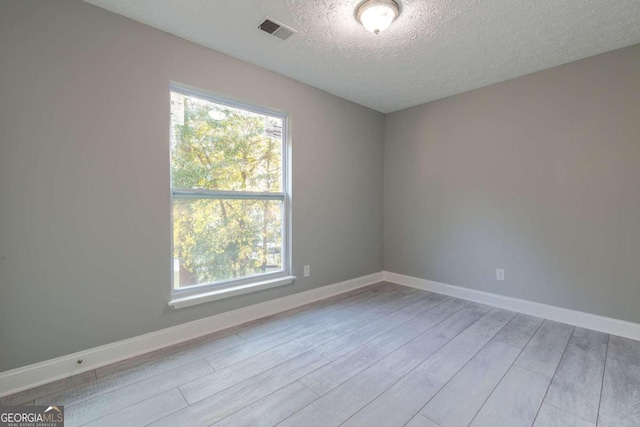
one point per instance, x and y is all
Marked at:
(274, 28)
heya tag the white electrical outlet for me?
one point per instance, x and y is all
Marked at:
(500, 274)
(307, 271)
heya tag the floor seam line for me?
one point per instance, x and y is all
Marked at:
(469, 361)
(331, 324)
(392, 329)
(144, 400)
(452, 314)
(604, 371)
(284, 361)
(181, 385)
(137, 382)
(137, 402)
(463, 366)
(309, 310)
(567, 412)
(262, 398)
(416, 367)
(505, 374)
(360, 346)
(573, 330)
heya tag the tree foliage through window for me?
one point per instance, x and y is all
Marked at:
(219, 148)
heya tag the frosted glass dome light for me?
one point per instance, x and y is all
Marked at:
(377, 15)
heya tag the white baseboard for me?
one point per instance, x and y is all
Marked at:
(572, 317)
(30, 376)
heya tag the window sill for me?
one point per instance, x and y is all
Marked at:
(181, 302)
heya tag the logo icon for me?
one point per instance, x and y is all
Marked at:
(32, 416)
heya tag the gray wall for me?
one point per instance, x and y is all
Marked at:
(84, 177)
(539, 175)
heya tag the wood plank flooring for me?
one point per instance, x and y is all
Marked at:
(384, 355)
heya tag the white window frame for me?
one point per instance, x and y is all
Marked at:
(196, 294)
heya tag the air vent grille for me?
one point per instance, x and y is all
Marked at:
(269, 26)
(282, 32)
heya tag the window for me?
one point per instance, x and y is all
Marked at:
(230, 205)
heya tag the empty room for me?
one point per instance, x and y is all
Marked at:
(358, 213)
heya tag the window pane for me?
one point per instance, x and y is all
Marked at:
(216, 147)
(222, 239)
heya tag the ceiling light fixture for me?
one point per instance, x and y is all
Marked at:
(377, 15)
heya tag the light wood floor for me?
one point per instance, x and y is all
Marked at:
(384, 355)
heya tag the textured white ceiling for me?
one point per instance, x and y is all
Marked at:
(436, 48)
